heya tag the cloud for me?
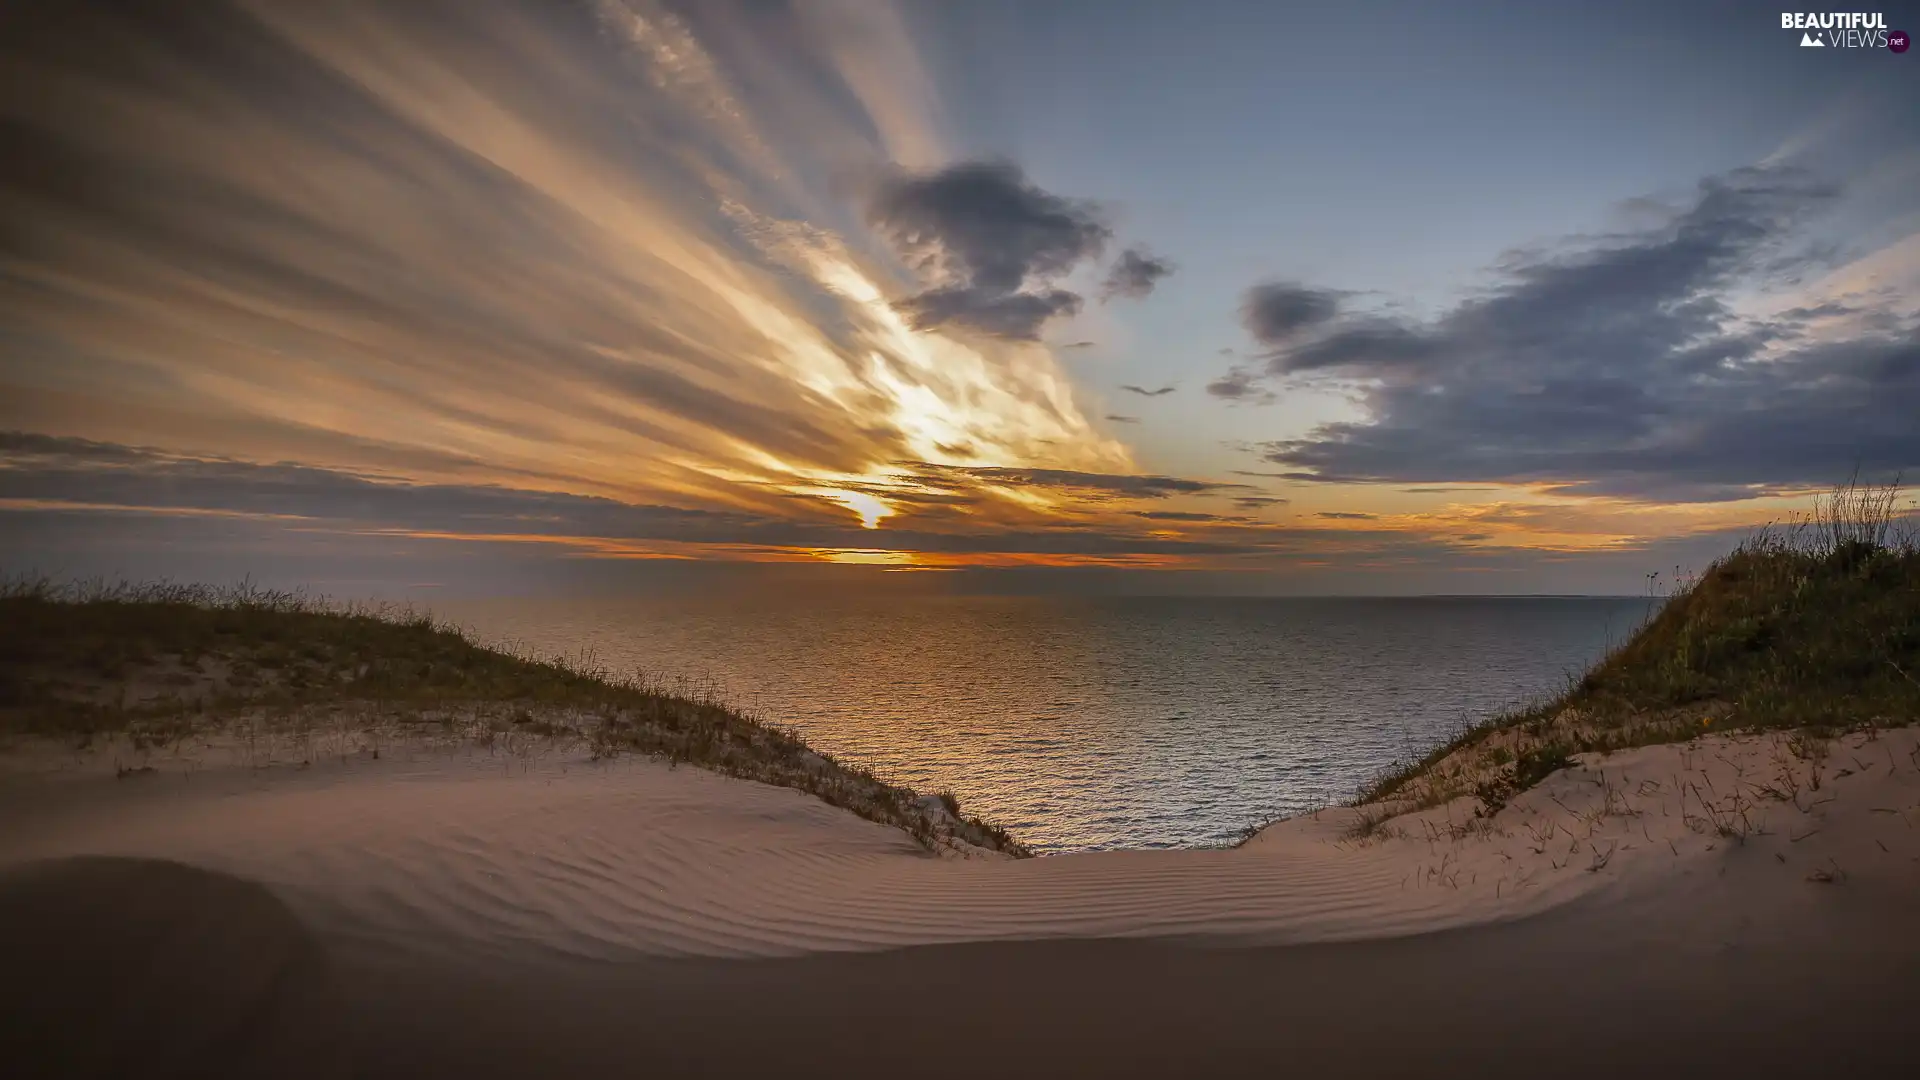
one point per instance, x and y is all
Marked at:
(1144, 392)
(1134, 274)
(987, 233)
(1274, 312)
(1017, 315)
(1136, 486)
(1638, 364)
(1079, 345)
(1120, 419)
(42, 474)
(468, 262)
(1376, 347)
(1176, 515)
(1346, 515)
(1259, 502)
(986, 222)
(73, 506)
(1241, 384)
(33, 449)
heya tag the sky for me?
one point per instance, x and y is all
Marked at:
(1202, 297)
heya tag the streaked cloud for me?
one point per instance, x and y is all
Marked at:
(663, 280)
(553, 247)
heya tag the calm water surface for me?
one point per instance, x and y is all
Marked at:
(1097, 723)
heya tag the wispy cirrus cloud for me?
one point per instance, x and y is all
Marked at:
(582, 247)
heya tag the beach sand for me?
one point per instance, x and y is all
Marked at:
(1738, 904)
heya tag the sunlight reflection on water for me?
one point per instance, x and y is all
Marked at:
(1096, 723)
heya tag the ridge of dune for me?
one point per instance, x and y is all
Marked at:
(441, 851)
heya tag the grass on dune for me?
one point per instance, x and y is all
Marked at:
(158, 664)
(1814, 626)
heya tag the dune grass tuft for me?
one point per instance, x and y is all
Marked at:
(1812, 626)
(157, 664)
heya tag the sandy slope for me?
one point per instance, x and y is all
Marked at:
(415, 866)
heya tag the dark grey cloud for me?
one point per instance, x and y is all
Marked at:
(1241, 384)
(1144, 392)
(1135, 274)
(1122, 419)
(1018, 315)
(1826, 310)
(989, 223)
(18, 448)
(1276, 311)
(1345, 515)
(1259, 502)
(1377, 345)
(1079, 345)
(1618, 365)
(988, 233)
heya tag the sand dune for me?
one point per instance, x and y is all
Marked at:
(422, 863)
(630, 858)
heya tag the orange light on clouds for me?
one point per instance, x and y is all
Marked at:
(900, 560)
(871, 509)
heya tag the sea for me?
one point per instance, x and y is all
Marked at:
(1086, 723)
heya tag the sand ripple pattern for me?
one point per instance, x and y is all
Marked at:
(567, 858)
(602, 861)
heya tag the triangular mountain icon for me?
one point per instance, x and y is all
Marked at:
(1808, 41)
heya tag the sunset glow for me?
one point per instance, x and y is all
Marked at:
(610, 279)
